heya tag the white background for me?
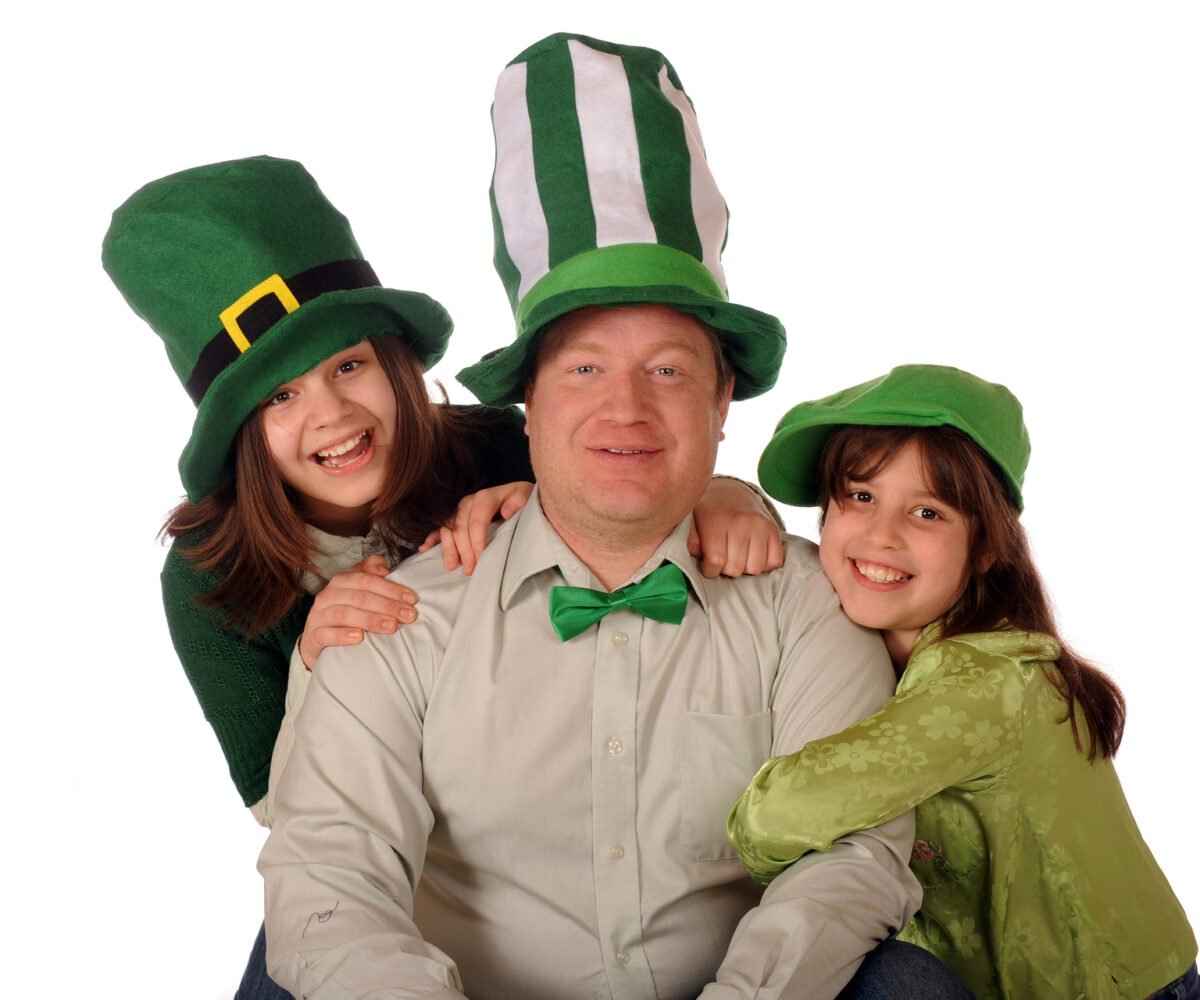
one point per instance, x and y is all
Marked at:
(1008, 188)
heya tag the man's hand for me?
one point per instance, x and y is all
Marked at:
(733, 532)
(357, 601)
(465, 536)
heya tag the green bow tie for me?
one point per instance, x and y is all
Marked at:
(661, 595)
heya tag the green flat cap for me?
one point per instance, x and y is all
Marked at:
(908, 396)
(602, 196)
(251, 277)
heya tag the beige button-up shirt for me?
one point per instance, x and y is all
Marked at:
(474, 807)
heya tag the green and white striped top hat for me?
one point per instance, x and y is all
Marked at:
(602, 195)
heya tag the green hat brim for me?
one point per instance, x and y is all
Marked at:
(300, 340)
(788, 467)
(753, 341)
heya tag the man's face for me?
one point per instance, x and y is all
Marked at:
(624, 419)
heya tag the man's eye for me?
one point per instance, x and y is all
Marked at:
(667, 370)
(583, 369)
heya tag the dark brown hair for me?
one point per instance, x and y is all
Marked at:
(1003, 589)
(250, 534)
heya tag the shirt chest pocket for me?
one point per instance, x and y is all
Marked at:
(721, 753)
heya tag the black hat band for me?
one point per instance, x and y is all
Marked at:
(263, 306)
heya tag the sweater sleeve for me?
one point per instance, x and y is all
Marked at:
(505, 450)
(239, 682)
(959, 724)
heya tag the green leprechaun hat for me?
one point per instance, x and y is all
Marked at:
(908, 396)
(602, 195)
(251, 277)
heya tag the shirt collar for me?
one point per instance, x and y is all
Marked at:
(535, 547)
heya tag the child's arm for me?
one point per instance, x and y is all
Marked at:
(735, 529)
(960, 724)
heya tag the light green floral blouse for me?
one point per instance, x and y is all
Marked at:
(1037, 882)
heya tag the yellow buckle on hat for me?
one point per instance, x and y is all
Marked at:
(274, 285)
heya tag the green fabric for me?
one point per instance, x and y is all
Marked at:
(572, 271)
(1037, 882)
(241, 683)
(661, 595)
(558, 160)
(908, 396)
(186, 247)
(753, 342)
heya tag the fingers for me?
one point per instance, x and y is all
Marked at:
(516, 499)
(693, 542)
(450, 557)
(431, 540)
(375, 565)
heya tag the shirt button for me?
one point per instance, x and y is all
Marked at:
(616, 853)
(623, 957)
(615, 747)
(619, 638)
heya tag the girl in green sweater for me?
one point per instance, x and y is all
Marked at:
(1037, 882)
(317, 459)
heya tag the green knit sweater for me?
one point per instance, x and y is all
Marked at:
(241, 683)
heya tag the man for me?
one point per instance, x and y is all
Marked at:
(524, 793)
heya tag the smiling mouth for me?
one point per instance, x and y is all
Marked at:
(344, 453)
(879, 573)
(627, 452)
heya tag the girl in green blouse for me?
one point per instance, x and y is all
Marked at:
(1037, 882)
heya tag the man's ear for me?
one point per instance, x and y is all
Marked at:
(724, 401)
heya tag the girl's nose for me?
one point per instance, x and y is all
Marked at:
(884, 529)
(328, 406)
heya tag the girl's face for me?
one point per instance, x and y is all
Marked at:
(896, 555)
(330, 433)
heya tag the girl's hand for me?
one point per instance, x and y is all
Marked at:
(354, 602)
(465, 536)
(733, 531)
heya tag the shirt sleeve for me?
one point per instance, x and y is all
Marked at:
(813, 925)
(299, 677)
(350, 829)
(960, 723)
(239, 682)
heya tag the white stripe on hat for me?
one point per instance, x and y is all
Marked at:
(610, 147)
(708, 207)
(526, 236)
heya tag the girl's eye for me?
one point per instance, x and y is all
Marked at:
(927, 514)
(860, 496)
(280, 397)
(348, 366)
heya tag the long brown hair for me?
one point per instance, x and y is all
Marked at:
(249, 532)
(1003, 589)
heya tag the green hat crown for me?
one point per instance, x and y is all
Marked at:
(601, 195)
(908, 396)
(250, 277)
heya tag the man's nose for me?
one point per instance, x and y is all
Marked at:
(626, 400)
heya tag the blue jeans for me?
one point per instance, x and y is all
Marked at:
(256, 984)
(1186, 987)
(896, 970)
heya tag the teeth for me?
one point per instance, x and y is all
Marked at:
(879, 574)
(341, 449)
(624, 451)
